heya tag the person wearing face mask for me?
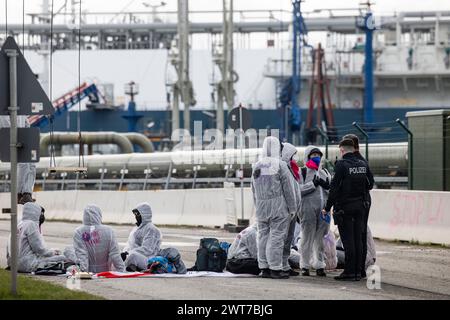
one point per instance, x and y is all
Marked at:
(348, 190)
(144, 242)
(314, 188)
(32, 249)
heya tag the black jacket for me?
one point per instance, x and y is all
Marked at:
(351, 182)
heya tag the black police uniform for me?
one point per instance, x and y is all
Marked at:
(347, 192)
(368, 200)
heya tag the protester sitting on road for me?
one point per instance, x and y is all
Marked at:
(95, 247)
(144, 242)
(32, 251)
(243, 252)
(329, 245)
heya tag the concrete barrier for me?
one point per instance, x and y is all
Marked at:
(422, 216)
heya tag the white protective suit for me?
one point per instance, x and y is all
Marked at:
(32, 252)
(26, 172)
(144, 242)
(275, 201)
(286, 155)
(331, 258)
(95, 247)
(244, 246)
(313, 228)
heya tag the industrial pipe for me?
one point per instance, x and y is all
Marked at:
(140, 140)
(386, 159)
(89, 138)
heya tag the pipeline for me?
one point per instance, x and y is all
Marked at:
(140, 140)
(386, 159)
(89, 138)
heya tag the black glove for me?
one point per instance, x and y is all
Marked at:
(123, 255)
(324, 184)
(316, 181)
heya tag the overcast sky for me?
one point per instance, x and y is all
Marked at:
(380, 7)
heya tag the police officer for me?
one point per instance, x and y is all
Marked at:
(347, 193)
(368, 200)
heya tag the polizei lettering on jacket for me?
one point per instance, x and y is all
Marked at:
(356, 170)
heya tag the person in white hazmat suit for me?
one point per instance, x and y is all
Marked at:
(26, 172)
(95, 247)
(314, 190)
(287, 155)
(275, 202)
(330, 251)
(242, 255)
(144, 242)
(32, 251)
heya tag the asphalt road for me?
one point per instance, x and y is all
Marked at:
(407, 272)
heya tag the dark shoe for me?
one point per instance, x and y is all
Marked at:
(363, 274)
(321, 273)
(305, 272)
(8, 268)
(293, 273)
(345, 277)
(26, 197)
(358, 277)
(19, 197)
(278, 274)
(265, 273)
(132, 268)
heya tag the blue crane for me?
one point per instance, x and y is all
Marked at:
(291, 88)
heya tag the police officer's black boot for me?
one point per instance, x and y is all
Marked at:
(305, 272)
(345, 277)
(321, 273)
(265, 273)
(363, 274)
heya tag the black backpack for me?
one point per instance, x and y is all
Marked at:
(210, 256)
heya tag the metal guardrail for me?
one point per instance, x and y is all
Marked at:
(164, 182)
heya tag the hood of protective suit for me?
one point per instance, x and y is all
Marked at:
(92, 216)
(288, 151)
(146, 213)
(271, 147)
(307, 153)
(31, 211)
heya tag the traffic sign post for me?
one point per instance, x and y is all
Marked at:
(12, 55)
(19, 83)
(240, 118)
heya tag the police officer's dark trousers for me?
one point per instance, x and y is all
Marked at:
(350, 231)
